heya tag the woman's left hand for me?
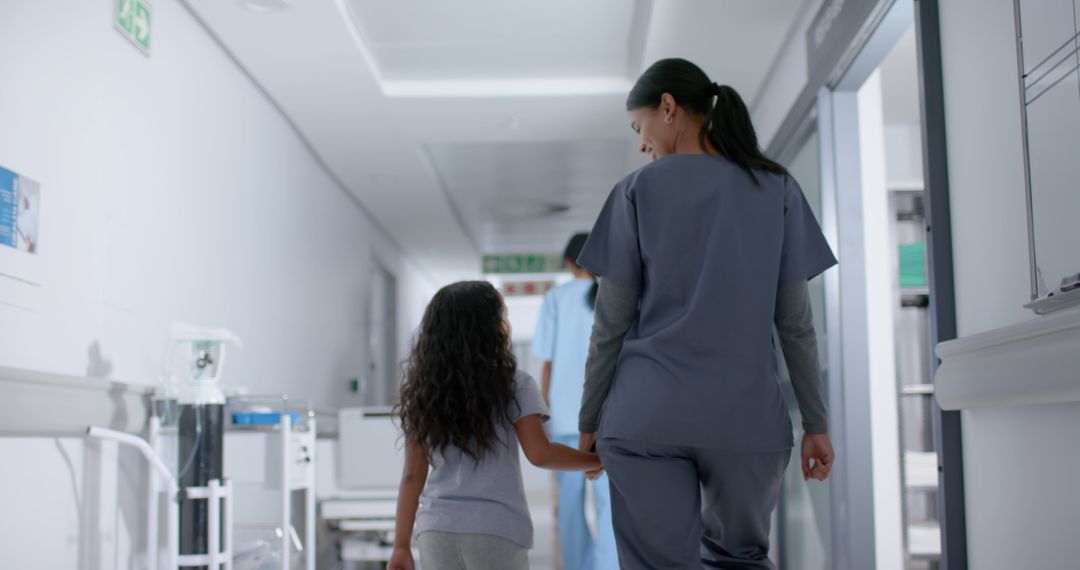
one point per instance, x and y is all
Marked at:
(817, 447)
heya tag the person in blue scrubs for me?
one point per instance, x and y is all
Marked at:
(562, 342)
(701, 255)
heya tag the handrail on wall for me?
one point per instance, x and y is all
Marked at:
(44, 404)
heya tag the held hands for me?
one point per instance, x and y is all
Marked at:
(817, 447)
(587, 443)
(401, 559)
(817, 455)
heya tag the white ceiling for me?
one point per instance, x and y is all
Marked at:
(528, 196)
(460, 126)
(492, 39)
(734, 41)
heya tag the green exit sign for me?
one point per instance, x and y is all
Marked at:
(524, 263)
(133, 18)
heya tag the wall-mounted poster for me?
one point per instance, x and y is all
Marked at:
(20, 208)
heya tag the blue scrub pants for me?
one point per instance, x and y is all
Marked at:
(691, 507)
(580, 551)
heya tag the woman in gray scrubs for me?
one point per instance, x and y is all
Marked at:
(700, 254)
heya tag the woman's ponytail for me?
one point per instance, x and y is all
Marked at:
(731, 131)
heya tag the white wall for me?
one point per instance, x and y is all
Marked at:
(172, 190)
(1021, 501)
(787, 77)
(986, 168)
(1023, 512)
(900, 106)
(903, 157)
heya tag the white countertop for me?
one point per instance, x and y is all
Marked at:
(1034, 362)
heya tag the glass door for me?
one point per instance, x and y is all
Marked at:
(805, 516)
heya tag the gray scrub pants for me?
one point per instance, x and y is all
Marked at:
(690, 507)
(452, 551)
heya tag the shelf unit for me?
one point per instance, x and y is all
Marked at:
(914, 354)
(921, 470)
(924, 542)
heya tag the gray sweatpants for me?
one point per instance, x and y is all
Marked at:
(451, 551)
(689, 507)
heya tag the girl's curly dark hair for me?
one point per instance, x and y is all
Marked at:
(459, 380)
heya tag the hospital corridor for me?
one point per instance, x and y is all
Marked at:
(560, 285)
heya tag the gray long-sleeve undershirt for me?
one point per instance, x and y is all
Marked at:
(795, 326)
(617, 308)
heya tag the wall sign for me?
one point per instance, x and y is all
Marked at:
(20, 207)
(524, 264)
(133, 19)
(526, 288)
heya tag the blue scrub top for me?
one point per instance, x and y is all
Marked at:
(562, 336)
(707, 248)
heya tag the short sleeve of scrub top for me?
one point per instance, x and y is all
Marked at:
(543, 346)
(805, 254)
(612, 248)
(529, 400)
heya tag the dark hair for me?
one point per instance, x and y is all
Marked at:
(727, 122)
(573, 251)
(459, 379)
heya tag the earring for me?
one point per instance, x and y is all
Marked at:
(667, 119)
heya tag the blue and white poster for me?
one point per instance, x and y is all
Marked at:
(20, 206)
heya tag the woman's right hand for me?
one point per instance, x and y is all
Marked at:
(401, 559)
(817, 447)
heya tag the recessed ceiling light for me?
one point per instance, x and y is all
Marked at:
(266, 5)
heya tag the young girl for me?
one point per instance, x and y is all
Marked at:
(464, 409)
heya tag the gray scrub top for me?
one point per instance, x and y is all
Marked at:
(707, 249)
